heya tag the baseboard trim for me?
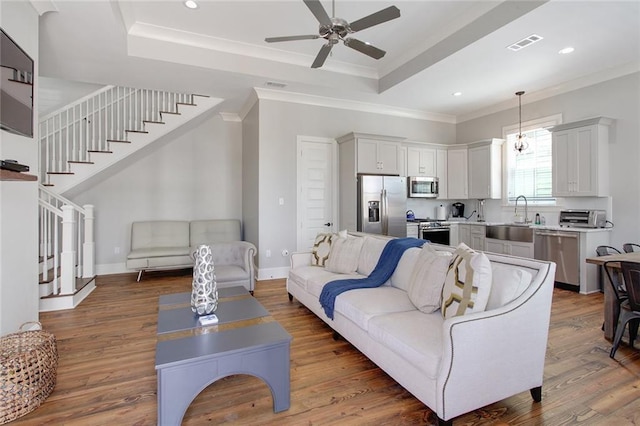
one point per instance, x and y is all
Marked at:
(112, 268)
(273, 273)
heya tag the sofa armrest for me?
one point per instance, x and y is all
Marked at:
(239, 253)
(300, 259)
(491, 355)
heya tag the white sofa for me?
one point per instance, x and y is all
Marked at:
(169, 244)
(453, 365)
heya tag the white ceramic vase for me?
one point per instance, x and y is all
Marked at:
(204, 291)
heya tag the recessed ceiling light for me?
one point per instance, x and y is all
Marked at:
(566, 50)
(191, 4)
(457, 93)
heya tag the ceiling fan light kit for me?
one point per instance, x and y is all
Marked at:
(335, 29)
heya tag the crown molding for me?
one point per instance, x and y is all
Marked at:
(248, 104)
(315, 100)
(567, 86)
(230, 116)
(44, 6)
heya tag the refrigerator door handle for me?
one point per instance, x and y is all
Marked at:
(384, 214)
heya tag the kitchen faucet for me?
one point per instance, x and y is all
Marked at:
(526, 208)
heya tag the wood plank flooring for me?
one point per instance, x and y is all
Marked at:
(106, 372)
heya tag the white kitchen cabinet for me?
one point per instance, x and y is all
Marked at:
(412, 230)
(441, 173)
(378, 156)
(514, 248)
(421, 161)
(464, 234)
(477, 237)
(457, 168)
(485, 169)
(580, 152)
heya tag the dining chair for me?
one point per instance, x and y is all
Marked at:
(616, 281)
(606, 250)
(630, 308)
(630, 247)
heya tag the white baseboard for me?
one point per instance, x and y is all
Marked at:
(112, 268)
(273, 273)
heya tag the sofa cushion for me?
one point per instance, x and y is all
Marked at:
(365, 303)
(468, 284)
(302, 274)
(316, 283)
(402, 275)
(427, 279)
(159, 233)
(371, 250)
(226, 273)
(159, 252)
(509, 282)
(344, 255)
(413, 335)
(214, 231)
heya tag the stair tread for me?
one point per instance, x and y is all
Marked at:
(202, 96)
(170, 112)
(186, 103)
(60, 173)
(153, 121)
(100, 152)
(136, 131)
(80, 284)
(80, 162)
(118, 141)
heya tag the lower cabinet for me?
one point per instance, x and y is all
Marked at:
(412, 230)
(472, 235)
(514, 248)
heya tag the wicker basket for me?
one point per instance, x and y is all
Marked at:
(28, 366)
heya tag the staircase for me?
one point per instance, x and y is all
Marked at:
(96, 132)
(78, 143)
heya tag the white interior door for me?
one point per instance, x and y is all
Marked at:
(317, 189)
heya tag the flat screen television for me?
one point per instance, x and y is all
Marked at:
(16, 88)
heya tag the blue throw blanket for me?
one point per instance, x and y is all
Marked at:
(387, 263)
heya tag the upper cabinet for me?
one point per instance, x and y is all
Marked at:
(457, 167)
(375, 154)
(581, 158)
(485, 169)
(421, 161)
(441, 173)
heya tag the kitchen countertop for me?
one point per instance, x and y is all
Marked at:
(541, 227)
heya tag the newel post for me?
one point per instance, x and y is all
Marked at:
(68, 255)
(88, 245)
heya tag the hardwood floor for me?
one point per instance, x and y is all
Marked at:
(106, 372)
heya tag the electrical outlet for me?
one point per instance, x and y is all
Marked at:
(285, 252)
(267, 253)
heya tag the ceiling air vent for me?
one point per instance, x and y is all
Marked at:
(275, 84)
(528, 41)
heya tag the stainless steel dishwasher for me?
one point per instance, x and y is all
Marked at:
(563, 248)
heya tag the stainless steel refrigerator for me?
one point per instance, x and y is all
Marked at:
(382, 205)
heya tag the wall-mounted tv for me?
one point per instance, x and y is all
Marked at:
(16, 88)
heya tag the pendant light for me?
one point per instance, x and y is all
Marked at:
(521, 140)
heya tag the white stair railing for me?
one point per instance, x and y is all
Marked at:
(89, 124)
(66, 237)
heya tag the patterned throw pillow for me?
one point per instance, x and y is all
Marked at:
(321, 249)
(468, 283)
(427, 279)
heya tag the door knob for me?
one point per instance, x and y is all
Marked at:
(328, 224)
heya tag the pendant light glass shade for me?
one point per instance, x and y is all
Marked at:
(521, 140)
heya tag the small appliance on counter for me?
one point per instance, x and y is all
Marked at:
(411, 215)
(481, 211)
(583, 218)
(441, 213)
(457, 210)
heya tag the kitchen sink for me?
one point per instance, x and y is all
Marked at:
(515, 232)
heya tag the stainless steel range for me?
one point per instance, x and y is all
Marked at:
(436, 231)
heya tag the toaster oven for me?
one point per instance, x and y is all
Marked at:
(583, 218)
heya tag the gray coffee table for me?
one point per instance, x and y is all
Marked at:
(189, 357)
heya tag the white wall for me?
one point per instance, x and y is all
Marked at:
(196, 175)
(18, 200)
(280, 124)
(619, 99)
(250, 177)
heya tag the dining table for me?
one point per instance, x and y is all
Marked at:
(611, 308)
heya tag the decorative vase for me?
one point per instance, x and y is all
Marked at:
(204, 291)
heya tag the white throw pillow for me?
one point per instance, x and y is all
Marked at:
(468, 283)
(427, 279)
(507, 284)
(344, 255)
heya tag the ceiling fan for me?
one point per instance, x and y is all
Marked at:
(335, 29)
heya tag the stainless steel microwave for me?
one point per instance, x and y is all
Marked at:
(422, 187)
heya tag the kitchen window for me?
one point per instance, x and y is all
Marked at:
(529, 173)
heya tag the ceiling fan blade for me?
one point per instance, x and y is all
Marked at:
(322, 56)
(379, 17)
(318, 11)
(291, 38)
(365, 48)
